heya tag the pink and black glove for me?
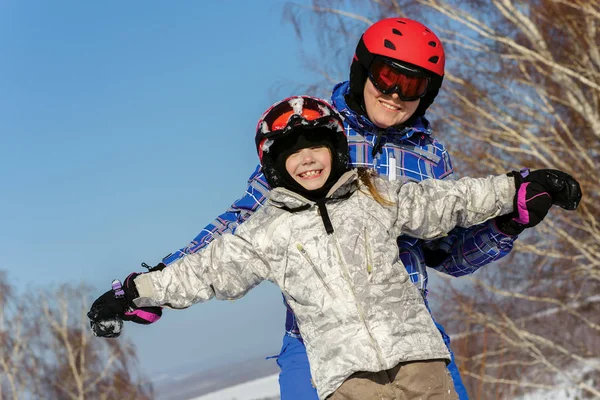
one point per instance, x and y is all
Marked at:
(536, 192)
(116, 305)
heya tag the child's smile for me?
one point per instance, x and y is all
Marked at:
(315, 173)
(310, 167)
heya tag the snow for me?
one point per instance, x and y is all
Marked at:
(262, 388)
(108, 327)
(568, 389)
(557, 394)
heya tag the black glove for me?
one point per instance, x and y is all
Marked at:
(537, 191)
(115, 306)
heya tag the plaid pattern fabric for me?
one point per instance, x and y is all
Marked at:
(408, 153)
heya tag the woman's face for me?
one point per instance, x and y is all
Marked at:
(310, 167)
(387, 110)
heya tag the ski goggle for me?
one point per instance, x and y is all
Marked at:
(391, 77)
(292, 112)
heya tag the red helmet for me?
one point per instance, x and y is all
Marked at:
(405, 41)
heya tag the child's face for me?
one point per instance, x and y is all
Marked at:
(310, 167)
(387, 110)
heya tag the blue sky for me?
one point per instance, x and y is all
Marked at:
(125, 127)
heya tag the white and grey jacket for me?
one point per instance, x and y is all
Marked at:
(357, 309)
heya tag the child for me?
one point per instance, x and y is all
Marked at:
(327, 238)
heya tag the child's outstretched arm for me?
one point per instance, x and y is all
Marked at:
(227, 269)
(104, 324)
(432, 208)
(464, 251)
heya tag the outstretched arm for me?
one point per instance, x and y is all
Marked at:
(227, 269)
(432, 208)
(227, 222)
(464, 251)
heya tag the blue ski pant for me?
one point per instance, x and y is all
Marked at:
(295, 380)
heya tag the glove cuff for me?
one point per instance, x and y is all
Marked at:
(130, 288)
(500, 227)
(506, 225)
(519, 176)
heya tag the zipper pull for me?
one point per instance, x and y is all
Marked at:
(391, 166)
(369, 265)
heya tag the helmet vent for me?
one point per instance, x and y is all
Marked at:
(401, 22)
(427, 30)
(396, 32)
(432, 44)
(389, 44)
(434, 59)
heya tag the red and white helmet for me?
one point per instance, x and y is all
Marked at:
(282, 121)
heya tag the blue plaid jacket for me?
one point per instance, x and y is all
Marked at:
(411, 153)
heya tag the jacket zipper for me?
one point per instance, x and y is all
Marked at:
(314, 267)
(361, 313)
(368, 252)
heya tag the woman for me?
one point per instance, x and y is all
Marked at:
(395, 76)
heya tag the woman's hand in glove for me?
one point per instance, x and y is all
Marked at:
(536, 192)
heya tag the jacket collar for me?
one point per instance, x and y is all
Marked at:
(284, 198)
(360, 123)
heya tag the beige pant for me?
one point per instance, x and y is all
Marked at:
(422, 380)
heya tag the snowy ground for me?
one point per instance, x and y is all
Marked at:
(557, 394)
(568, 388)
(266, 388)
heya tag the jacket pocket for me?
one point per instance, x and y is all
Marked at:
(317, 271)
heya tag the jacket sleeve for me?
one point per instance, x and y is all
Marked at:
(465, 250)
(432, 208)
(227, 269)
(240, 211)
